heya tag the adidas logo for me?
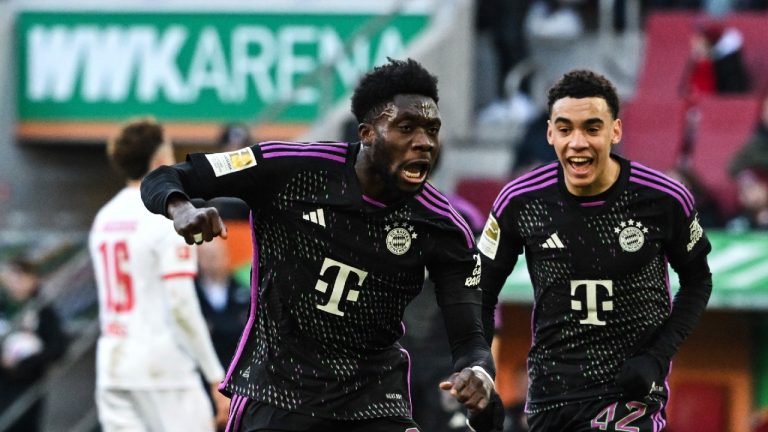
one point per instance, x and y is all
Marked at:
(316, 216)
(553, 242)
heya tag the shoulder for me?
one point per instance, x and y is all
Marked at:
(661, 186)
(311, 152)
(535, 180)
(438, 208)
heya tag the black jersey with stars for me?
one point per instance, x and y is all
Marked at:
(332, 273)
(599, 270)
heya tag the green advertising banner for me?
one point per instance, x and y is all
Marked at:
(190, 66)
(739, 264)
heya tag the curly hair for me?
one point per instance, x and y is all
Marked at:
(131, 150)
(384, 82)
(583, 83)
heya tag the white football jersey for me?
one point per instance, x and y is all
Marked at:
(133, 251)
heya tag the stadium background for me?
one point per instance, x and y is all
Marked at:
(69, 73)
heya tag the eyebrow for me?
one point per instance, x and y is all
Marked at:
(589, 121)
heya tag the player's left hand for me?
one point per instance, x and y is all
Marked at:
(471, 387)
(640, 375)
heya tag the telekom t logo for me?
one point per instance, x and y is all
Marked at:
(593, 307)
(338, 285)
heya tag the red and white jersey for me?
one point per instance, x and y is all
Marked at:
(134, 252)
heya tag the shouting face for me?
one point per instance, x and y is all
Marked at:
(400, 147)
(582, 131)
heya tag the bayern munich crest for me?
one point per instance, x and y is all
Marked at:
(399, 238)
(631, 235)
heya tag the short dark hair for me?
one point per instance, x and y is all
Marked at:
(131, 150)
(384, 82)
(583, 83)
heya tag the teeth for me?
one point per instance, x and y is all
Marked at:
(414, 175)
(579, 159)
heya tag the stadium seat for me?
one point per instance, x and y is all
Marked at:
(481, 192)
(667, 48)
(725, 124)
(653, 131)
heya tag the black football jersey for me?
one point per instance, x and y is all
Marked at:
(332, 273)
(599, 270)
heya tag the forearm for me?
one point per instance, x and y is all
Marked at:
(192, 330)
(468, 345)
(688, 306)
(162, 186)
(492, 282)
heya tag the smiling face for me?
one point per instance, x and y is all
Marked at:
(400, 147)
(582, 131)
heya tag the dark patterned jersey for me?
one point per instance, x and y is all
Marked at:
(599, 270)
(332, 273)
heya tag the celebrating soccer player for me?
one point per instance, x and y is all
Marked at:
(598, 232)
(342, 234)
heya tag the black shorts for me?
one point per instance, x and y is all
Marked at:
(602, 415)
(247, 415)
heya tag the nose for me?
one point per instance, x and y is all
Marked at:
(578, 140)
(423, 141)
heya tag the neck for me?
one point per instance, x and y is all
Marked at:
(133, 184)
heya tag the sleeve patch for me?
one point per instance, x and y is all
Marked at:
(489, 241)
(696, 233)
(227, 163)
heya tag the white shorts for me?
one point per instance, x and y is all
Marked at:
(187, 410)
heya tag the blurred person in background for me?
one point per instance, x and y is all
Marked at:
(343, 233)
(223, 301)
(598, 232)
(153, 336)
(753, 153)
(716, 63)
(31, 339)
(752, 186)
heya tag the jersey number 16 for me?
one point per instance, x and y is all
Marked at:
(118, 283)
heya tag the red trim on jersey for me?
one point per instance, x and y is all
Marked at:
(179, 275)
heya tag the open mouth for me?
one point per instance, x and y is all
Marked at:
(580, 164)
(415, 172)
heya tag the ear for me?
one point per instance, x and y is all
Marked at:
(617, 131)
(549, 133)
(366, 133)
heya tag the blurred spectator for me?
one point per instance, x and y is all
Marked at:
(223, 301)
(716, 63)
(233, 136)
(500, 45)
(533, 150)
(710, 213)
(752, 184)
(31, 339)
(754, 153)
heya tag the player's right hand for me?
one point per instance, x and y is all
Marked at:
(196, 225)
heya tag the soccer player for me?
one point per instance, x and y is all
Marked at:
(597, 231)
(342, 234)
(153, 337)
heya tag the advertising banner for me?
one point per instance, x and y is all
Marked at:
(82, 72)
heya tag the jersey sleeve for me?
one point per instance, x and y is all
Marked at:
(454, 266)
(500, 245)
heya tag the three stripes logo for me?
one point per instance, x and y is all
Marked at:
(316, 216)
(553, 242)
